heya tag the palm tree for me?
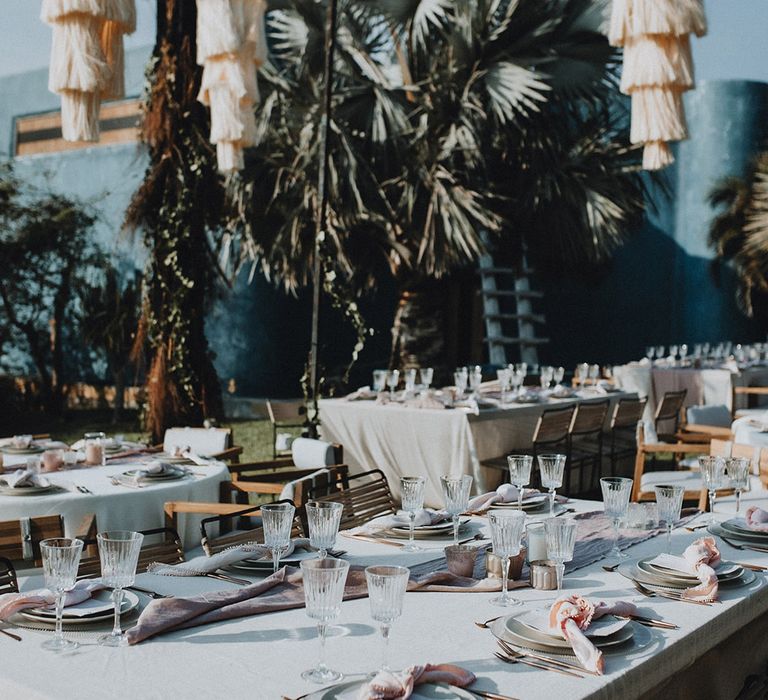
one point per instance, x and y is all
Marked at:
(739, 233)
(454, 122)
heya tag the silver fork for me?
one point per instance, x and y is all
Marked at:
(736, 545)
(650, 593)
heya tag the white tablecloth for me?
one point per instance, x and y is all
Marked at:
(119, 507)
(427, 442)
(262, 657)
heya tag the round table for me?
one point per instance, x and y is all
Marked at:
(119, 507)
(747, 431)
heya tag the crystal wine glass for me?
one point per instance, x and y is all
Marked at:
(616, 492)
(673, 352)
(522, 367)
(460, 378)
(386, 590)
(277, 521)
(582, 372)
(660, 352)
(552, 468)
(412, 497)
(558, 376)
(379, 380)
(517, 378)
(594, 374)
(545, 376)
(683, 350)
(456, 494)
(323, 518)
(737, 469)
(712, 476)
(506, 533)
(425, 376)
(504, 375)
(669, 499)
(393, 379)
(323, 592)
(520, 474)
(561, 539)
(119, 555)
(650, 352)
(61, 557)
(475, 379)
(410, 380)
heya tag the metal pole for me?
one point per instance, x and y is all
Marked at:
(322, 209)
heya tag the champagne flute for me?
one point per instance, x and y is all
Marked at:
(552, 468)
(520, 474)
(506, 533)
(412, 497)
(119, 554)
(323, 592)
(712, 476)
(323, 518)
(669, 499)
(456, 493)
(561, 539)
(616, 492)
(61, 557)
(386, 590)
(393, 378)
(277, 521)
(737, 469)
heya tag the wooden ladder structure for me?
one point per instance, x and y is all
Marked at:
(510, 320)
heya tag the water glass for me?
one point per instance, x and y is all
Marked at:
(616, 493)
(386, 590)
(119, 554)
(504, 376)
(425, 376)
(323, 592)
(379, 380)
(412, 498)
(669, 499)
(506, 533)
(561, 539)
(475, 380)
(409, 375)
(517, 378)
(277, 521)
(552, 468)
(594, 374)
(737, 469)
(456, 493)
(520, 474)
(460, 378)
(545, 376)
(323, 518)
(713, 478)
(61, 557)
(558, 376)
(393, 379)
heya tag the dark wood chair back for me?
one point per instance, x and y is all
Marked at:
(553, 425)
(670, 406)
(364, 496)
(161, 544)
(627, 413)
(589, 418)
(8, 582)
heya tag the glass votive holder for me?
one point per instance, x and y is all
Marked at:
(95, 454)
(52, 460)
(461, 559)
(537, 541)
(494, 563)
(544, 575)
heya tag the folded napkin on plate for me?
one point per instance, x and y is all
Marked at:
(703, 555)
(571, 617)
(388, 685)
(426, 516)
(756, 519)
(207, 565)
(24, 478)
(506, 493)
(11, 603)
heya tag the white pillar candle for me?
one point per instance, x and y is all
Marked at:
(537, 542)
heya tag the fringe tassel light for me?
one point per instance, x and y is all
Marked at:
(657, 68)
(231, 45)
(86, 58)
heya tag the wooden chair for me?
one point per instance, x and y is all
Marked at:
(586, 442)
(161, 544)
(20, 539)
(364, 496)
(748, 391)
(627, 413)
(669, 410)
(212, 541)
(285, 414)
(216, 443)
(8, 582)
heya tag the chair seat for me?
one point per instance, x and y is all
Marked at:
(691, 480)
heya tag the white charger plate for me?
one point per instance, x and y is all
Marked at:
(603, 627)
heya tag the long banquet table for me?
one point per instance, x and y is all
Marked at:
(431, 442)
(263, 656)
(118, 507)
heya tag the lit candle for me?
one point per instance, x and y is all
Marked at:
(537, 542)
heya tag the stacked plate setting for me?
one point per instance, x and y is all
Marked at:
(538, 503)
(736, 529)
(438, 530)
(660, 574)
(98, 608)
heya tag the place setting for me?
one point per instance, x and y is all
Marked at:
(154, 472)
(27, 483)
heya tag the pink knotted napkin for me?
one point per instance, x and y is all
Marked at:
(572, 615)
(386, 685)
(757, 519)
(11, 603)
(703, 555)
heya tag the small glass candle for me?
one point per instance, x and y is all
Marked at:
(94, 449)
(52, 460)
(537, 541)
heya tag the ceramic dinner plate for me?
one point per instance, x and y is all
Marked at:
(446, 525)
(512, 630)
(101, 612)
(738, 526)
(602, 627)
(725, 572)
(750, 538)
(28, 490)
(267, 564)
(426, 531)
(167, 476)
(31, 450)
(428, 691)
(633, 572)
(531, 504)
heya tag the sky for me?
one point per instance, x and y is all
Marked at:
(736, 46)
